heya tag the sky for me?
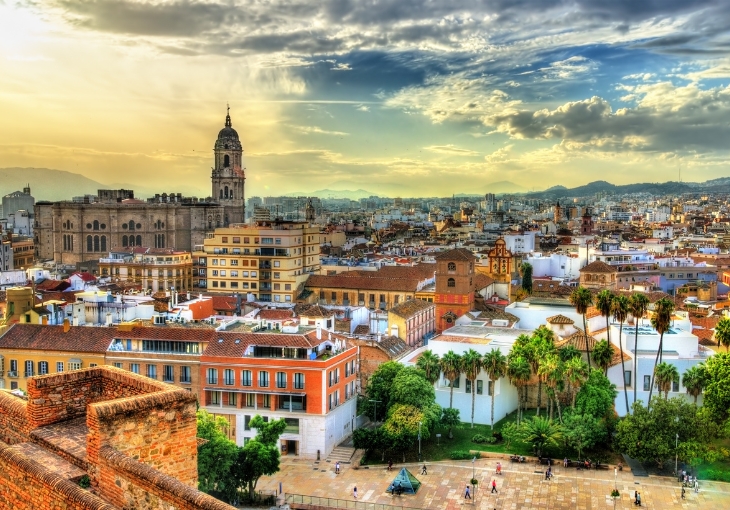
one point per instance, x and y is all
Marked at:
(397, 97)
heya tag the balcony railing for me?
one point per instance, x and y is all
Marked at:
(13, 373)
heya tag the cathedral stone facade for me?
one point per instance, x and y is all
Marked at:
(70, 232)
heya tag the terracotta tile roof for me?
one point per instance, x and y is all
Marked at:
(578, 340)
(224, 303)
(617, 357)
(52, 338)
(233, 345)
(410, 307)
(560, 319)
(592, 312)
(704, 329)
(482, 281)
(456, 254)
(314, 311)
(362, 329)
(87, 277)
(52, 286)
(462, 339)
(490, 312)
(275, 315)
(653, 296)
(598, 266)
(362, 283)
(192, 334)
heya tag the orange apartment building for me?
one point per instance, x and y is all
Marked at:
(307, 378)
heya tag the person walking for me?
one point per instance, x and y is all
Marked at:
(638, 498)
(697, 485)
(682, 492)
(494, 486)
(499, 468)
(390, 464)
(354, 492)
(424, 471)
(467, 493)
(565, 462)
(337, 468)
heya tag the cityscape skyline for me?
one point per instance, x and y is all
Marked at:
(339, 95)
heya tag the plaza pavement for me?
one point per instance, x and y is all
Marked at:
(519, 486)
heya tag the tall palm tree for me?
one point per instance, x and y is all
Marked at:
(661, 320)
(603, 354)
(551, 371)
(694, 380)
(666, 374)
(541, 343)
(430, 363)
(620, 311)
(495, 365)
(638, 305)
(604, 301)
(722, 333)
(569, 352)
(519, 373)
(451, 367)
(471, 364)
(581, 298)
(576, 373)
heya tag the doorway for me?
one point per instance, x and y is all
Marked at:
(292, 447)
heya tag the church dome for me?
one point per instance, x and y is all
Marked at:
(228, 137)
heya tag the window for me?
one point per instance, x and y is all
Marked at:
(298, 381)
(455, 383)
(212, 376)
(74, 365)
(647, 382)
(263, 379)
(281, 379)
(185, 375)
(117, 365)
(229, 377)
(675, 386)
(29, 372)
(452, 266)
(266, 401)
(152, 371)
(231, 399)
(627, 377)
(250, 400)
(134, 368)
(215, 397)
(246, 422)
(480, 386)
(246, 378)
(168, 373)
(451, 282)
(467, 387)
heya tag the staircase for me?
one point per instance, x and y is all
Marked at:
(341, 454)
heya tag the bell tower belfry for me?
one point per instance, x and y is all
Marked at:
(228, 174)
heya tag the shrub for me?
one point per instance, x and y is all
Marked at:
(719, 475)
(497, 436)
(480, 439)
(463, 455)
(85, 482)
(474, 481)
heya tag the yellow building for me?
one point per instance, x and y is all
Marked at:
(32, 349)
(156, 269)
(269, 259)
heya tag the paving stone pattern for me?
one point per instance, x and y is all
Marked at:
(519, 487)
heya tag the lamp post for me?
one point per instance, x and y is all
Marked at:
(676, 445)
(419, 441)
(473, 477)
(376, 410)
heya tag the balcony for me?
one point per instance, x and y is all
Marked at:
(13, 374)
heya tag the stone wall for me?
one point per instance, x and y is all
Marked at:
(27, 485)
(13, 421)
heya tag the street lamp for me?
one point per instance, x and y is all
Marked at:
(376, 410)
(676, 444)
(419, 441)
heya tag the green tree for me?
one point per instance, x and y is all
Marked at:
(666, 374)
(450, 418)
(722, 333)
(216, 456)
(260, 456)
(620, 311)
(576, 373)
(526, 271)
(541, 433)
(495, 365)
(717, 389)
(597, 396)
(541, 344)
(410, 387)
(551, 372)
(581, 298)
(401, 427)
(661, 321)
(378, 388)
(604, 304)
(638, 305)
(451, 367)
(519, 373)
(569, 352)
(431, 366)
(694, 379)
(471, 364)
(603, 355)
(582, 432)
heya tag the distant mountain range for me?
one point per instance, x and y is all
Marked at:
(656, 188)
(334, 193)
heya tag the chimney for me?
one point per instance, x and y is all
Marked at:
(319, 332)
(108, 319)
(75, 321)
(66, 325)
(44, 320)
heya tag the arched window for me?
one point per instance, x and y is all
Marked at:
(221, 194)
(96, 224)
(71, 242)
(131, 240)
(89, 243)
(103, 243)
(139, 240)
(452, 266)
(226, 160)
(131, 225)
(96, 243)
(124, 241)
(451, 282)
(225, 194)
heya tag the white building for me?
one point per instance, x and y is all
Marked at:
(556, 265)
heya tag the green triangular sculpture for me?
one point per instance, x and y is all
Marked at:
(407, 483)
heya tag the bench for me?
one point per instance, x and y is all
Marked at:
(600, 466)
(545, 460)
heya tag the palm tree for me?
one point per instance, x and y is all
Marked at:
(519, 373)
(722, 333)
(495, 365)
(471, 364)
(451, 367)
(581, 298)
(551, 371)
(576, 373)
(569, 352)
(431, 366)
(694, 380)
(661, 321)
(541, 343)
(666, 374)
(620, 311)
(638, 305)
(603, 354)
(541, 432)
(604, 302)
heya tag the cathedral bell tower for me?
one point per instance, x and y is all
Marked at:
(228, 174)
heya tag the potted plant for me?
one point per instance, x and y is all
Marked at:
(615, 494)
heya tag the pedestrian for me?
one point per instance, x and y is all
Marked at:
(549, 473)
(467, 494)
(697, 485)
(390, 464)
(424, 471)
(682, 492)
(494, 485)
(391, 489)
(499, 468)
(354, 492)
(337, 468)
(636, 497)
(565, 462)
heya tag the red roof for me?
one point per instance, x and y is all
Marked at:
(275, 315)
(87, 277)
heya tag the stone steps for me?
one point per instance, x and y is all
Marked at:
(341, 454)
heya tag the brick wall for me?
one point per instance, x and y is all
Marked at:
(27, 485)
(13, 421)
(371, 357)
